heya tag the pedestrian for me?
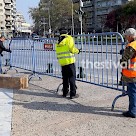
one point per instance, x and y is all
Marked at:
(65, 50)
(2, 48)
(128, 62)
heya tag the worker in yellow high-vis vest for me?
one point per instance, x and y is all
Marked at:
(65, 50)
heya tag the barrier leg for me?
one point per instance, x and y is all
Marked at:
(34, 74)
(59, 87)
(9, 63)
(10, 68)
(124, 93)
(81, 73)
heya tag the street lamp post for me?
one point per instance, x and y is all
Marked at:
(81, 16)
(72, 6)
(44, 28)
(49, 16)
(43, 23)
(80, 12)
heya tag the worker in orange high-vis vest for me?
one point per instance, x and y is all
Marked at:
(65, 51)
(129, 70)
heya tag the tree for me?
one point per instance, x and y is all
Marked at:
(60, 14)
(123, 17)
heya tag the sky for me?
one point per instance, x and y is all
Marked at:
(23, 7)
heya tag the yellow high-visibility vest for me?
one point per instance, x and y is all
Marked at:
(65, 50)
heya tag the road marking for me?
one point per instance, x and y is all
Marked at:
(6, 96)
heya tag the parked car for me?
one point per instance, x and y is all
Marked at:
(36, 37)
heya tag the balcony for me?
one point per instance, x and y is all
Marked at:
(8, 24)
(1, 17)
(9, 19)
(7, 1)
(7, 12)
(7, 6)
(2, 24)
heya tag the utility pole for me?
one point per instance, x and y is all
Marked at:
(49, 17)
(44, 23)
(72, 6)
(80, 12)
(81, 16)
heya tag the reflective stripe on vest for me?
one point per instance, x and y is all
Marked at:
(60, 53)
(65, 57)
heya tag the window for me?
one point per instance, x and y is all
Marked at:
(1, 22)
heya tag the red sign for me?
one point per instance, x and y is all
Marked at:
(48, 46)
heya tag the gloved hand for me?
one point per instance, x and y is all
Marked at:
(1, 55)
(123, 63)
(121, 51)
(9, 51)
(79, 50)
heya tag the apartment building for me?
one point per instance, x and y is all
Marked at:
(21, 27)
(7, 17)
(96, 12)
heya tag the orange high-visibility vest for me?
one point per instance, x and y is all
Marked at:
(130, 71)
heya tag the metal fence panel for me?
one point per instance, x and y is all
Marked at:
(95, 64)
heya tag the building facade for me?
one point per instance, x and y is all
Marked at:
(7, 17)
(96, 12)
(21, 27)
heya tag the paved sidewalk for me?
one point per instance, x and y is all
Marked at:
(6, 96)
(39, 111)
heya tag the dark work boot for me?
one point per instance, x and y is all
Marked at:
(128, 114)
(75, 96)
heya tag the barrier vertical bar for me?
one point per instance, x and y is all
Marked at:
(34, 74)
(85, 47)
(112, 60)
(106, 59)
(89, 38)
(93, 57)
(117, 59)
(97, 58)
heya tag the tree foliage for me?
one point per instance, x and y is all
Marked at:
(60, 12)
(123, 17)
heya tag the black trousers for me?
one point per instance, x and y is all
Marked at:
(69, 77)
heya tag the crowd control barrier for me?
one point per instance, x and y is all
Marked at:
(98, 62)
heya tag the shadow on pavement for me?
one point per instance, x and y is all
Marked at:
(54, 106)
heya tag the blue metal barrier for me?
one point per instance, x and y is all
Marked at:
(96, 64)
(98, 59)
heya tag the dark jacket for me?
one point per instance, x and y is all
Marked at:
(2, 48)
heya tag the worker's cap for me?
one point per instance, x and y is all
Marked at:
(63, 30)
(130, 32)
